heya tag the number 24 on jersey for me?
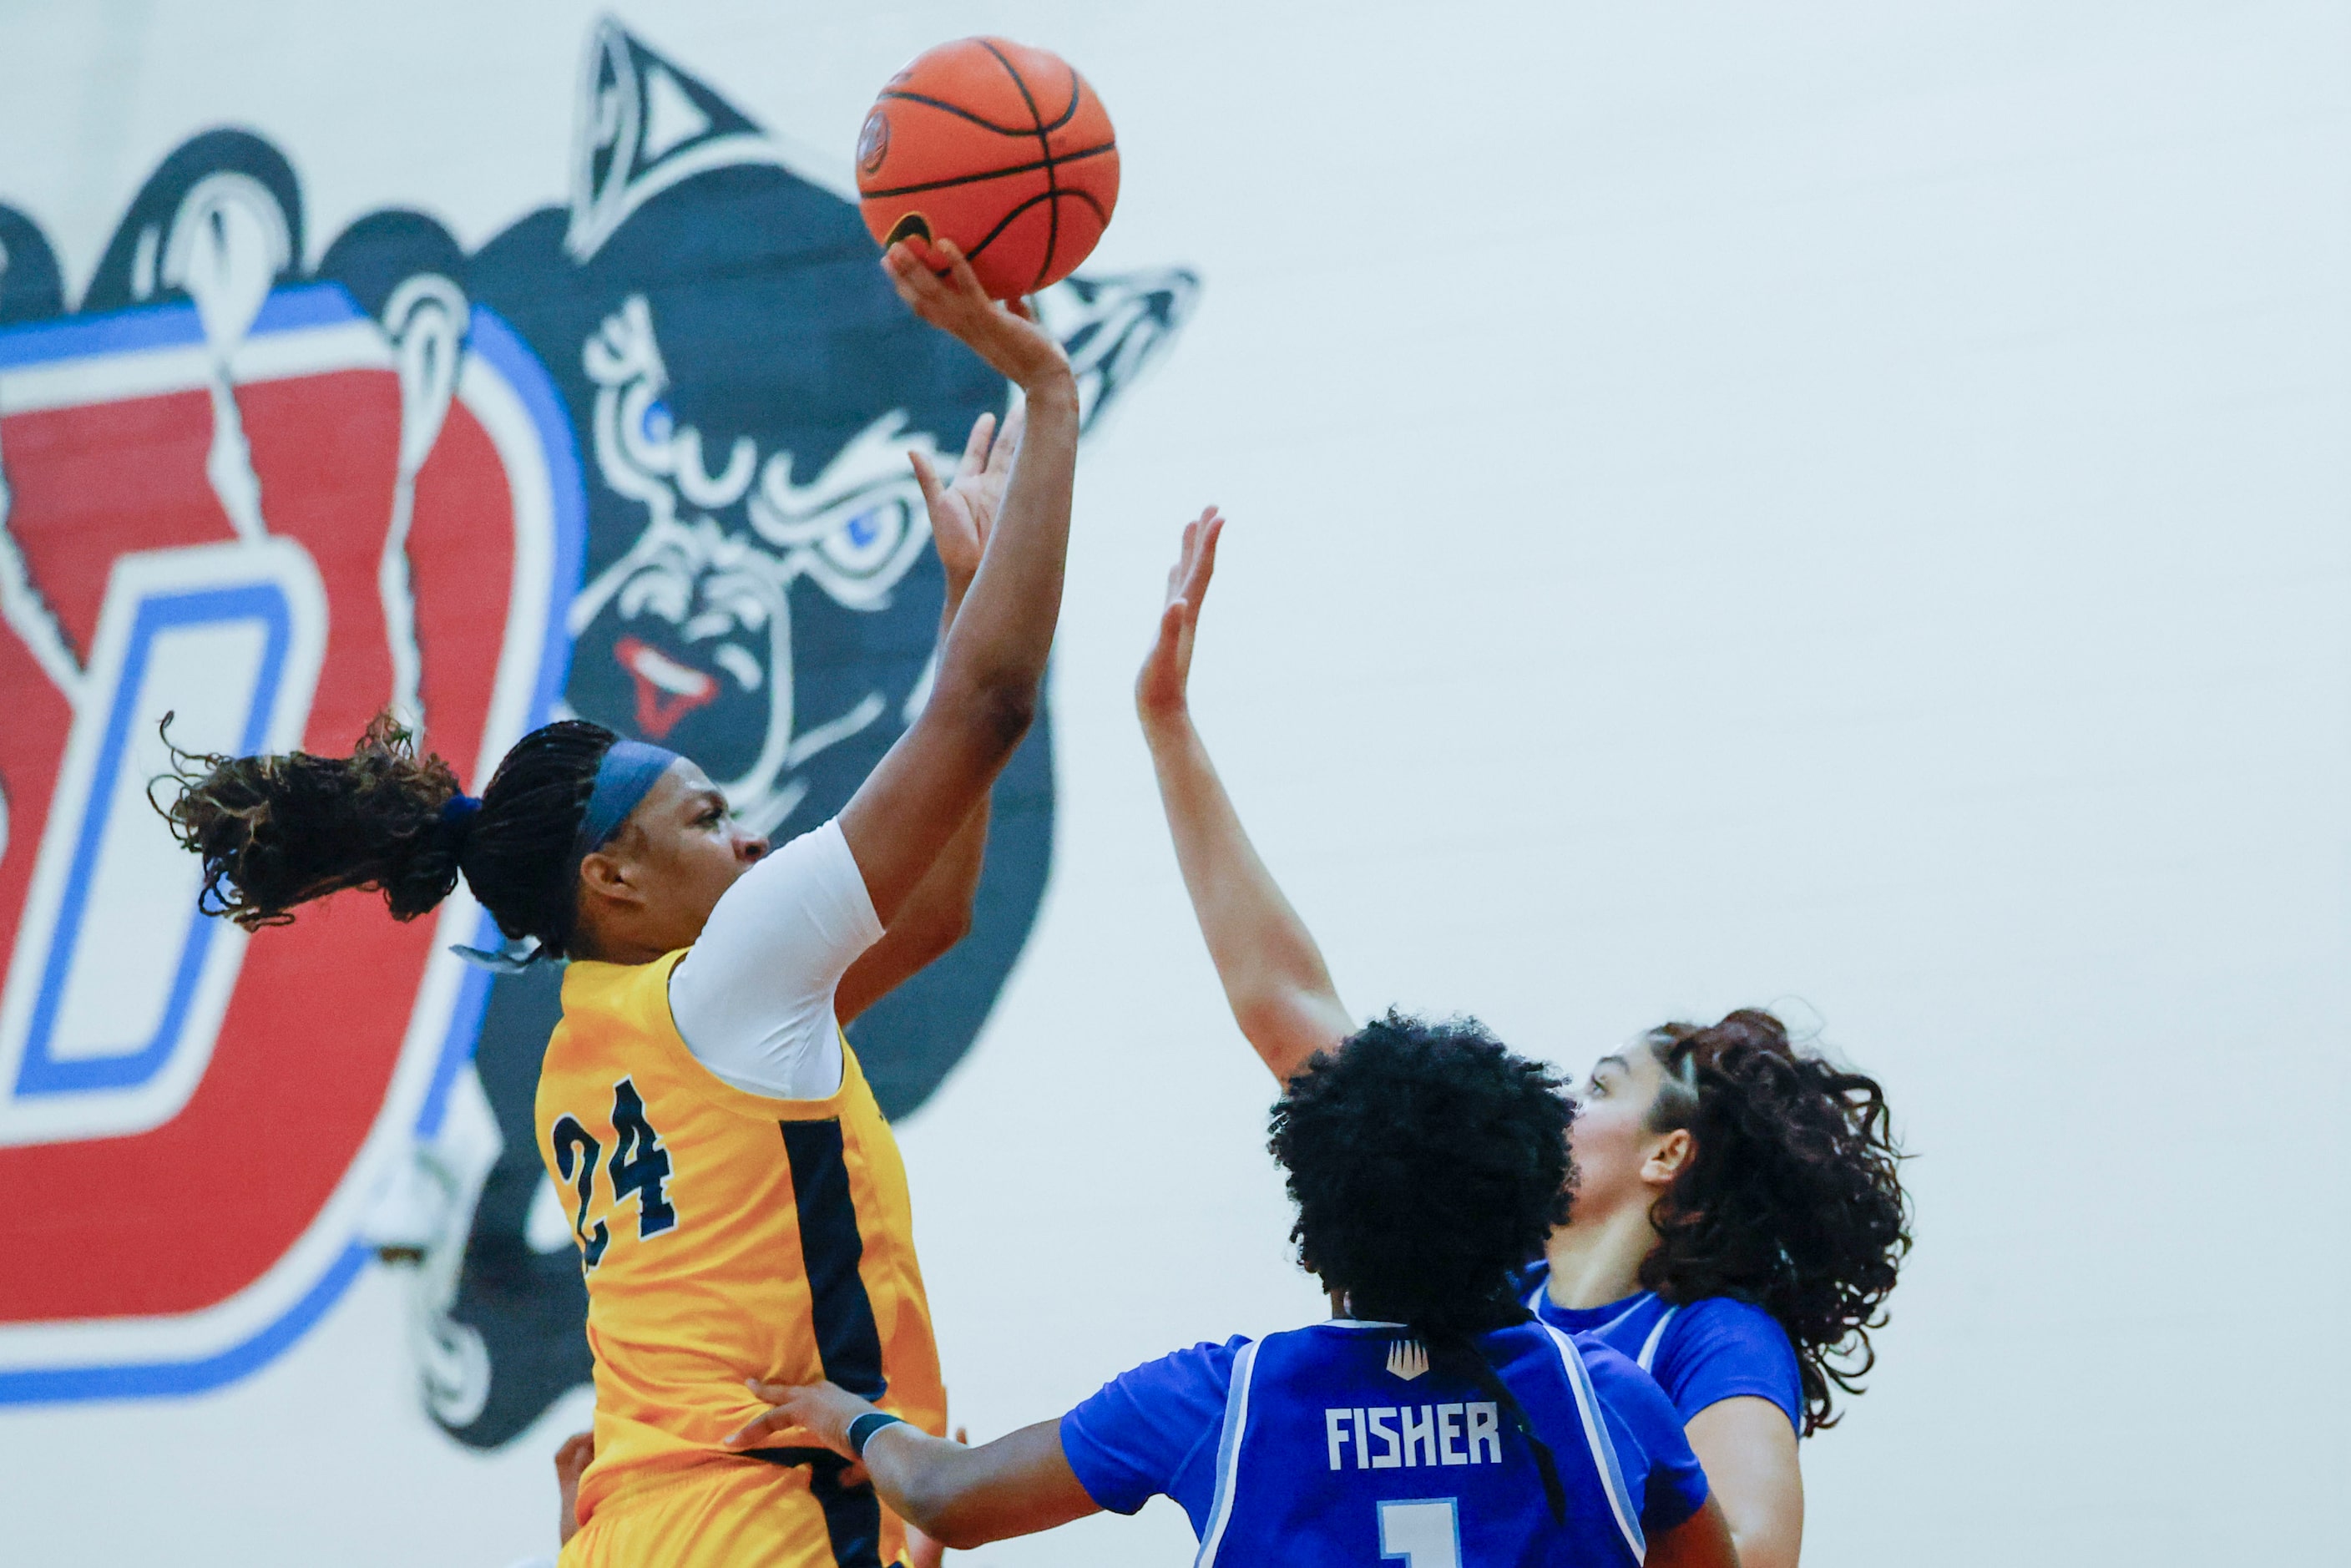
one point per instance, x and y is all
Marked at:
(638, 1165)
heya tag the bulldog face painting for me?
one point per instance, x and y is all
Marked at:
(640, 458)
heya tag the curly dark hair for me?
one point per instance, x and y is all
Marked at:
(1794, 1199)
(278, 831)
(1428, 1164)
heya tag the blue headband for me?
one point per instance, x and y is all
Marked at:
(628, 772)
(630, 768)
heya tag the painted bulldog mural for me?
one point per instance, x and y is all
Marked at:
(641, 457)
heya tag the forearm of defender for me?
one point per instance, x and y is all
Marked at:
(964, 1497)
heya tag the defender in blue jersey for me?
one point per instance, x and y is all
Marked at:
(1315, 1446)
(1739, 1214)
(1433, 1421)
(1738, 1221)
(1714, 1349)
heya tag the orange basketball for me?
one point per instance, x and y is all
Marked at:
(998, 147)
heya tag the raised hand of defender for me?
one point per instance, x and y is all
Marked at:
(1159, 690)
(963, 511)
(1007, 336)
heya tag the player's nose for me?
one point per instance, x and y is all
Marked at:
(752, 849)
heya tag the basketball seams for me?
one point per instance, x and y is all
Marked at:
(1056, 197)
(1045, 146)
(1036, 120)
(960, 112)
(1083, 153)
(1006, 221)
(1088, 198)
(1077, 91)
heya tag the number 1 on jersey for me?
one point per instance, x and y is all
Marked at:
(1424, 1535)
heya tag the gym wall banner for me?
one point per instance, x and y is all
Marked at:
(640, 458)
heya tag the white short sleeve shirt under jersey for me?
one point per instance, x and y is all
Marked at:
(753, 997)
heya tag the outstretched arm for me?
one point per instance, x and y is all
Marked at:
(937, 914)
(959, 1497)
(1274, 977)
(923, 791)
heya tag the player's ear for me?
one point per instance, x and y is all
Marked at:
(611, 878)
(1669, 1157)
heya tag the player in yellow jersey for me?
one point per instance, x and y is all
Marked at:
(738, 1202)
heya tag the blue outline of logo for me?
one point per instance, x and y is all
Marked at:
(40, 1072)
(500, 348)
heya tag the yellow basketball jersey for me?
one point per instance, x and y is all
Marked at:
(724, 1235)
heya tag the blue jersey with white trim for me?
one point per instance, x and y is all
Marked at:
(1340, 1447)
(1712, 1349)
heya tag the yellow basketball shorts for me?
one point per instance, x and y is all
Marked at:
(740, 1514)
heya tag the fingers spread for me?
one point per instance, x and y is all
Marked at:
(1008, 440)
(916, 281)
(958, 273)
(975, 448)
(1205, 567)
(926, 477)
(757, 1427)
(907, 276)
(904, 264)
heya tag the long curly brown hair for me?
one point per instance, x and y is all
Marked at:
(1794, 1199)
(277, 832)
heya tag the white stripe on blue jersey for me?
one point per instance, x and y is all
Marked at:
(1602, 1448)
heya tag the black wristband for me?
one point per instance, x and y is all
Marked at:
(861, 1430)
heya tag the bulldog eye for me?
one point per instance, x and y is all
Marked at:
(867, 540)
(655, 424)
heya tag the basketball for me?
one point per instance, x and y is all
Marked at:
(1001, 148)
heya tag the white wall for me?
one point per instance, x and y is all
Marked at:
(1733, 502)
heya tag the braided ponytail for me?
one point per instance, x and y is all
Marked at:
(278, 831)
(1456, 1353)
(281, 830)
